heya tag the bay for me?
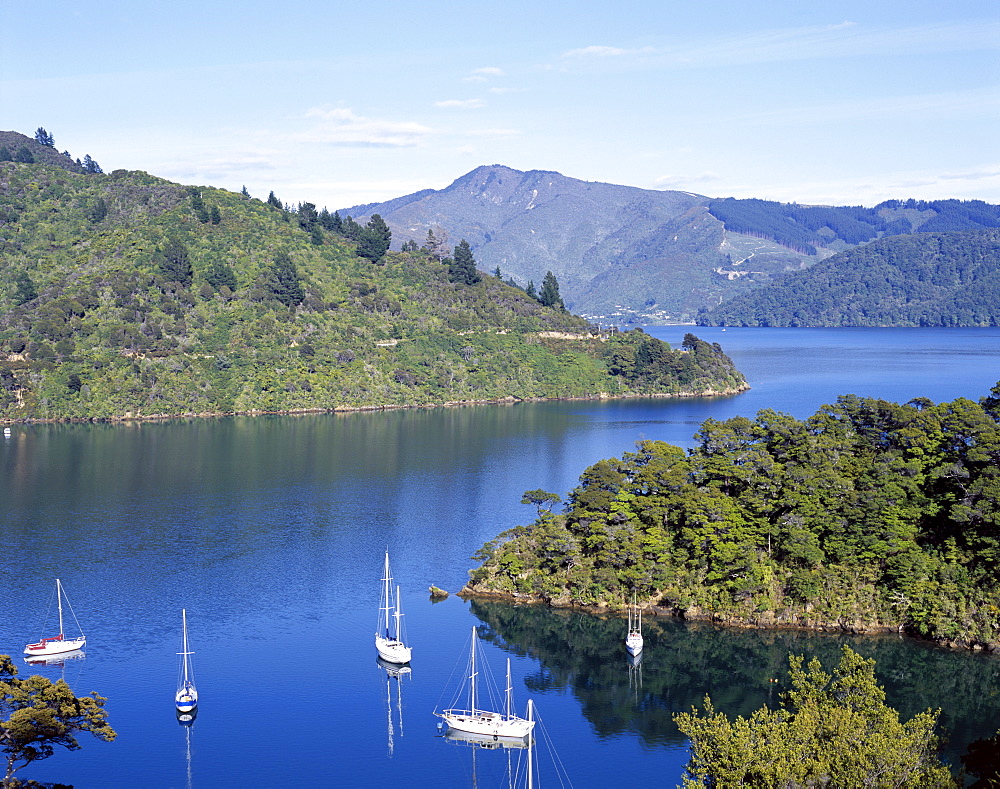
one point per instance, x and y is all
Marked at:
(270, 532)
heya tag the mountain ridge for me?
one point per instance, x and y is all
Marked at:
(624, 254)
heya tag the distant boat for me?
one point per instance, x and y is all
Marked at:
(55, 645)
(633, 640)
(388, 632)
(186, 697)
(476, 720)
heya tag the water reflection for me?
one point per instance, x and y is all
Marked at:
(741, 670)
(394, 675)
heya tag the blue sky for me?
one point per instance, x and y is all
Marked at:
(343, 103)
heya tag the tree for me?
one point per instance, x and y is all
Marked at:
(91, 166)
(832, 730)
(374, 240)
(285, 282)
(435, 245)
(5, 154)
(530, 289)
(24, 156)
(462, 269)
(542, 499)
(273, 201)
(220, 274)
(308, 217)
(244, 192)
(41, 714)
(175, 262)
(26, 290)
(97, 211)
(549, 297)
(44, 137)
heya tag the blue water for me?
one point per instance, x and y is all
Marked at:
(270, 532)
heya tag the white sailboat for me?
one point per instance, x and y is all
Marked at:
(186, 697)
(55, 645)
(475, 720)
(388, 632)
(633, 640)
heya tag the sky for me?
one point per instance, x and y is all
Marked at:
(338, 104)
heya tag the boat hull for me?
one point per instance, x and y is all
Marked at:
(487, 724)
(392, 651)
(54, 646)
(633, 645)
(186, 699)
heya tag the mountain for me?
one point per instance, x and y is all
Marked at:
(924, 279)
(624, 254)
(125, 295)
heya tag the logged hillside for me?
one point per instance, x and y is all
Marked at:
(623, 254)
(123, 294)
(926, 279)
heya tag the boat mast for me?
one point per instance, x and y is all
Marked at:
(386, 580)
(531, 742)
(472, 675)
(509, 697)
(59, 603)
(186, 653)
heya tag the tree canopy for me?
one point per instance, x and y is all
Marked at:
(832, 730)
(549, 296)
(868, 514)
(37, 714)
(462, 268)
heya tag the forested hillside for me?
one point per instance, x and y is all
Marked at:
(809, 227)
(123, 294)
(868, 515)
(924, 279)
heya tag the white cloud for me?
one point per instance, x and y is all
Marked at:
(465, 104)
(604, 52)
(341, 126)
(843, 40)
(476, 78)
(489, 71)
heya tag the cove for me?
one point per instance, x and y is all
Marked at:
(270, 531)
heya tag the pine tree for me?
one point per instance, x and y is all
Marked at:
(375, 239)
(274, 202)
(462, 269)
(175, 262)
(549, 296)
(44, 137)
(285, 282)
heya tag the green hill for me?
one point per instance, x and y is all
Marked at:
(123, 294)
(924, 279)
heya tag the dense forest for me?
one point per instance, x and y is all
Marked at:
(806, 227)
(867, 516)
(124, 295)
(923, 279)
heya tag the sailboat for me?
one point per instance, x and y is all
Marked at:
(186, 697)
(485, 722)
(55, 645)
(388, 632)
(633, 641)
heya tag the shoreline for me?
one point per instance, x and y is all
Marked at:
(795, 620)
(343, 409)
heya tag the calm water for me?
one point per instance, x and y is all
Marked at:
(270, 532)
